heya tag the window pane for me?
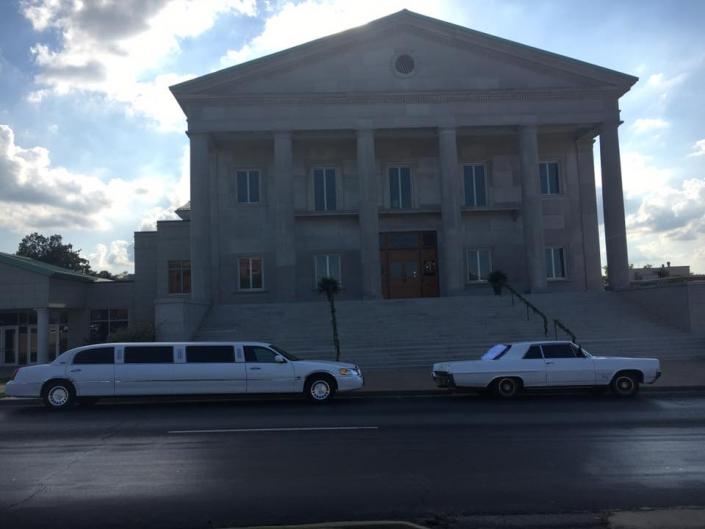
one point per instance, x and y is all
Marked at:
(557, 350)
(149, 354)
(553, 178)
(543, 177)
(405, 187)
(480, 188)
(533, 353)
(118, 314)
(101, 355)
(244, 273)
(254, 186)
(99, 331)
(394, 192)
(117, 326)
(242, 186)
(256, 264)
(99, 315)
(320, 263)
(319, 190)
(473, 272)
(209, 354)
(330, 190)
(334, 266)
(548, 257)
(484, 256)
(255, 353)
(186, 280)
(558, 262)
(469, 186)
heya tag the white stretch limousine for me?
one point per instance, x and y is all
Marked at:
(506, 369)
(120, 369)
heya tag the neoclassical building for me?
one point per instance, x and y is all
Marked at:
(408, 157)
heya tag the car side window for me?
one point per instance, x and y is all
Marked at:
(577, 351)
(98, 355)
(557, 350)
(533, 353)
(256, 353)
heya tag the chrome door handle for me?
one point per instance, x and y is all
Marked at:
(255, 368)
(75, 371)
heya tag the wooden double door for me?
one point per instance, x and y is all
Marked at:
(409, 262)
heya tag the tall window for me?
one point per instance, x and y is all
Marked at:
(555, 263)
(248, 186)
(179, 277)
(105, 322)
(400, 187)
(548, 174)
(475, 185)
(327, 266)
(324, 197)
(479, 265)
(250, 273)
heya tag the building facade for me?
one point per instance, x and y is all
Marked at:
(408, 157)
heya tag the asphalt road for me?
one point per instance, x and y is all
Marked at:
(216, 464)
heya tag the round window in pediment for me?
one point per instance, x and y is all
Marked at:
(404, 64)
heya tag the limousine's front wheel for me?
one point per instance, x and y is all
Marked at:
(58, 394)
(320, 388)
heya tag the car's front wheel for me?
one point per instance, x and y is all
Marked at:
(319, 388)
(58, 394)
(625, 385)
(506, 388)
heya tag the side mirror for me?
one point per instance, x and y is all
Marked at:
(279, 359)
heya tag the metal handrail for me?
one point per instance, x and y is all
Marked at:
(530, 306)
(557, 324)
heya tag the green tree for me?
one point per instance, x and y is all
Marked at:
(331, 287)
(52, 250)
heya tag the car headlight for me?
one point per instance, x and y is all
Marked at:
(345, 371)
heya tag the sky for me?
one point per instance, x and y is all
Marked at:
(92, 143)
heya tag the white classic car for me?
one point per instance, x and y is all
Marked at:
(507, 369)
(135, 369)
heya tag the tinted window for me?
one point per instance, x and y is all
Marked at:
(146, 354)
(558, 350)
(209, 353)
(533, 353)
(254, 353)
(100, 355)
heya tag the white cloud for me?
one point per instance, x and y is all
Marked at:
(115, 48)
(296, 23)
(698, 148)
(37, 195)
(641, 176)
(643, 125)
(177, 196)
(116, 258)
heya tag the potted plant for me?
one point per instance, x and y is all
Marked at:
(497, 279)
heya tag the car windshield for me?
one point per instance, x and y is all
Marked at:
(495, 352)
(286, 355)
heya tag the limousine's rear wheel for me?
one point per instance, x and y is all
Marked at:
(320, 388)
(507, 387)
(625, 384)
(58, 394)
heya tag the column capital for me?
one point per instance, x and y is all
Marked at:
(361, 132)
(447, 130)
(281, 133)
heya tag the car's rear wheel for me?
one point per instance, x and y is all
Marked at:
(506, 387)
(58, 394)
(319, 388)
(625, 384)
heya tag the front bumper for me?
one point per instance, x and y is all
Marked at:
(443, 379)
(350, 382)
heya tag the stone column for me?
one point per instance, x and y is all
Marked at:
(368, 215)
(532, 208)
(42, 335)
(588, 214)
(283, 205)
(451, 242)
(200, 218)
(613, 205)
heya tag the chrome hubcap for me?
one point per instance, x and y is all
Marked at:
(507, 387)
(58, 396)
(320, 390)
(625, 384)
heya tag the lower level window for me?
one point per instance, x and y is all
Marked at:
(251, 273)
(105, 322)
(555, 263)
(327, 266)
(479, 264)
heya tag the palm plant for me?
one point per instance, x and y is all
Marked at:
(331, 287)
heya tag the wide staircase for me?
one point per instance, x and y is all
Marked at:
(418, 332)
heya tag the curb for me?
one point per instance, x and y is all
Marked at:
(377, 524)
(386, 393)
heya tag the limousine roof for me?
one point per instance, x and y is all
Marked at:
(140, 344)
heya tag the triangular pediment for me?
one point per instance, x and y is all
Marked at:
(439, 57)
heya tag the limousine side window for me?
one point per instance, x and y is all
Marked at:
(209, 354)
(99, 355)
(154, 354)
(533, 353)
(255, 353)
